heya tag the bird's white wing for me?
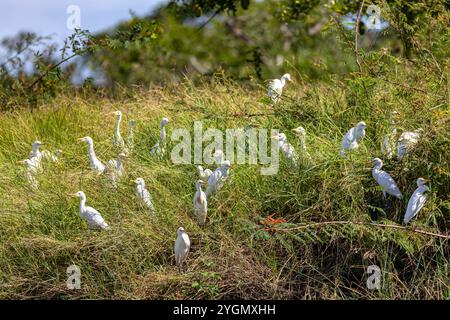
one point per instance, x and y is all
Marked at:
(415, 204)
(94, 218)
(349, 138)
(385, 180)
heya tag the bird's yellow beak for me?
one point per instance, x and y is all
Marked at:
(73, 195)
(20, 161)
(80, 140)
(274, 137)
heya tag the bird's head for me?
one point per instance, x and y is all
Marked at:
(122, 155)
(377, 162)
(139, 181)
(299, 131)
(226, 164)
(200, 183)
(361, 125)
(287, 76)
(58, 152)
(280, 137)
(164, 121)
(25, 161)
(180, 231)
(79, 194)
(86, 139)
(37, 144)
(117, 113)
(420, 130)
(421, 181)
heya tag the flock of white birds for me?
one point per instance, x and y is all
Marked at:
(214, 179)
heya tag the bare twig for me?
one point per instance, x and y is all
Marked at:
(358, 21)
(378, 225)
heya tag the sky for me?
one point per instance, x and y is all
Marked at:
(49, 17)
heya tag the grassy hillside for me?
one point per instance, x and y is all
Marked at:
(233, 256)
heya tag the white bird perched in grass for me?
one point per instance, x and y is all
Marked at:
(217, 178)
(353, 137)
(92, 216)
(286, 147)
(159, 147)
(385, 180)
(203, 173)
(116, 166)
(143, 194)
(117, 138)
(275, 88)
(32, 169)
(301, 133)
(200, 204)
(96, 164)
(35, 152)
(182, 247)
(130, 135)
(407, 141)
(417, 200)
(388, 146)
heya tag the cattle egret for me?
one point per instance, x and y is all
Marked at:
(116, 167)
(417, 200)
(92, 216)
(301, 133)
(96, 164)
(200, 204)
(31, 170)
(286, 147)
(143, 194)
(353, 137)
(182, 247)
(388, 146)
(204, 173)
(275, 88)
(217, 178)
(35, 152)
(117, 138)
(159, 147)
(407, 141)
(385, 180)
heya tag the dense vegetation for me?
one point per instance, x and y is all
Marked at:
(337, 223)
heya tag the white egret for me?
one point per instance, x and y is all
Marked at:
(217, 178)
(159, 147)
(407, 141)
(31, 171)
(417, 200)
(96, 164)
(385, 180)
(115, 167)
(143, 194)
(301, 133)
(92, 216)
(286, 147)
(117, 138)
(200, 204)
(388, 146)
(182, 247)
(275, 88)
(353, 137)
(203, 173)
(35, 152)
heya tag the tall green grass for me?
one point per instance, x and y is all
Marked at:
(233, 256)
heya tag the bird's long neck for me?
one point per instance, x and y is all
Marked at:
(283, 81)
(163, 133)
(91, 152)
(82, 204)
(377, 166)
(199, 188)
(117, 129)
(302, 142)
